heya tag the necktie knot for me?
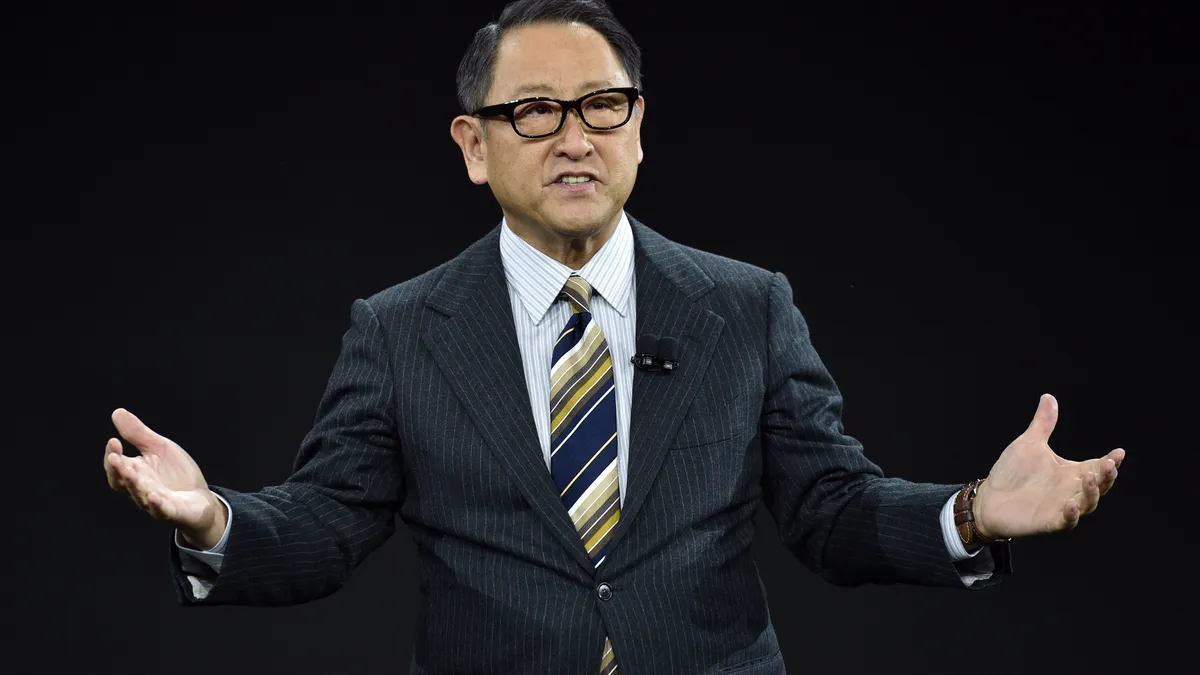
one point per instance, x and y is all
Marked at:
(579, 293)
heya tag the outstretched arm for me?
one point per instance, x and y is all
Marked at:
(833, 507)
(300, 540)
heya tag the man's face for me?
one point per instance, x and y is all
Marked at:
(564, 61)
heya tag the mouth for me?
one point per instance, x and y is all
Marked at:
(575, 184)
(571, 178)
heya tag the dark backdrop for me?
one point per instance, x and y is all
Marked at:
(973, 206)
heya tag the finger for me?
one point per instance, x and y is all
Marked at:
(136, 432)
(1091, 494)
(125, 468)
(123, 471)
(1044, 418)
(1108, 475)
(144, 479)
(135, 480)
(112, 455)
(1117, 456)
(1106, 484)
(1071, 514)
(123, 480)
(133, 485)
(159, 506)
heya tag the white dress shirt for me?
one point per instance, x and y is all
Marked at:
(534, 281)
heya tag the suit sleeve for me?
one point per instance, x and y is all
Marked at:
(300, 541)
(834, 509)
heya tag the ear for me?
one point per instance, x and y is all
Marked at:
(468, 134)
(638, 113)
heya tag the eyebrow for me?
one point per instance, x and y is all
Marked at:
(547, 90)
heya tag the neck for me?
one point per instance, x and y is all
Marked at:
(573, 249)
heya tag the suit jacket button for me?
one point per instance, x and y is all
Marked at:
(604, 591)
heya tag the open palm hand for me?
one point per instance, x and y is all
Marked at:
(163, 479)
(1031, 490)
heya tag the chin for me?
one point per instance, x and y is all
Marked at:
(578, 222)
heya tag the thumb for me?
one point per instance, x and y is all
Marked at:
(135, 431)
(1045, 418)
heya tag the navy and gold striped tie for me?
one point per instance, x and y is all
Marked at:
(583, 430)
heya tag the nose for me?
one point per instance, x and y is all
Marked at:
(573, 139)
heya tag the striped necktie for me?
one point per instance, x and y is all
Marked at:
(583, 430)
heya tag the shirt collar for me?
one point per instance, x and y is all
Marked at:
(538, 278)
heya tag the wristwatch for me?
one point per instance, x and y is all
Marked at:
(964, 518)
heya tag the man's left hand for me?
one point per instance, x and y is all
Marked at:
(1031, 490)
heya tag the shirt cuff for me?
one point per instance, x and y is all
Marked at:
(213, 556)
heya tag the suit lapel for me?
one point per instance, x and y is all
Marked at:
(474, 342)
(472, 338)
(668, 285)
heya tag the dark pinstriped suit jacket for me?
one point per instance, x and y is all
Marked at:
(426, 413)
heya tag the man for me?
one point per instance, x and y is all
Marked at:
(574, 513)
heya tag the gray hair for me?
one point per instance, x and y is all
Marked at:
(478, 65)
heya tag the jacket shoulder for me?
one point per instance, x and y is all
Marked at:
(726, 274)
(408, 298)
(407, 295)
(731, 276)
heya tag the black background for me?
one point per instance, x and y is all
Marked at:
(973, 206)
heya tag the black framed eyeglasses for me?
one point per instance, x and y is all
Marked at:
(543, 116)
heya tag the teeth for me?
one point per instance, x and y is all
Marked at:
(572, 180)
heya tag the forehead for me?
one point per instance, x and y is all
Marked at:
(554, 59)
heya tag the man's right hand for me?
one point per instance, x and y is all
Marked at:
(164, 481)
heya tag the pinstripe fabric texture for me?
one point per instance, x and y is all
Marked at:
(427, 414)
